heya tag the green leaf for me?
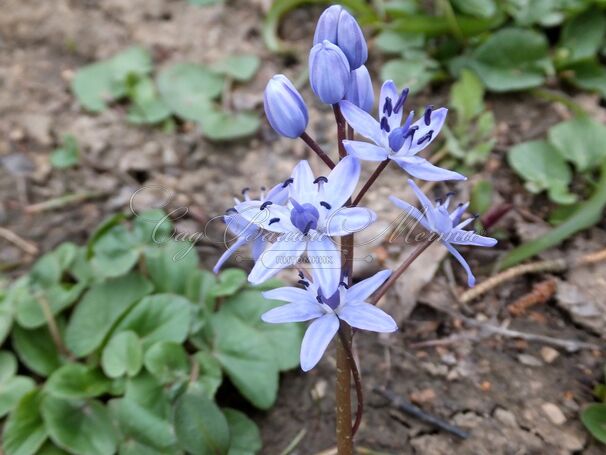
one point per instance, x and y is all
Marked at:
(581, 141)
(24, 431)
(148, 107)
(51, 449)
(245, 438)
(200, 425)
(512, 59)
(393, 42)
(75, 380)
(187, 89)
(169, 266)
(204, 2)
(97, 84)
(481, 197)
(160, 317)
(142, 425)
(467, 96)
(152, 227)
(36, 350)
(78, 426)
(209, 374)
(115, 253)
(8, 366)
(31, 306)
(582, 36)
(122, 355)
(167, 361)
(106, 225)
(240, 67)
(100, 309)
(542, 167)
(67, 155)
(478, 8)
(6, 322)
(526, 12)
(225, 126)
(594, 419)
(588, 75)
(229, 282)
(146, 390)
(11, 391)
(415, 74)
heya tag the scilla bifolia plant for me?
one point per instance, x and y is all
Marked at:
(306, 214)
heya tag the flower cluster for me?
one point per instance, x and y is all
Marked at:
(297, 223)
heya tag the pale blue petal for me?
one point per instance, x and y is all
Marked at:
(460, 237)
(390, 90)
(365, 288)
(362, 122)
(410, 210)
(365, 150)
(422, 169)
(458, 212)
(471, 280)
(293, 312)
(258, 246)
(266, 218)
(438, 117)
(426, 206)
(316, 340)
(342, 181)
(443, 222)
(325, 263)
(365, 316)
(290, 294)
(348, 220)
(280, 255)
(278, 194)
(231, 250)
(303, 190)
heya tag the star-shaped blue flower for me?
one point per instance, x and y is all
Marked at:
(344, 304)
(399, 143)
(448, 226)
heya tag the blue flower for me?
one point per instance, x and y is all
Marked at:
(313, 214)
(360, 91)
(400, 143)
(340, 28)
(344, 304)
(329, 72)
(245, 231)
(448, 226)
(284, 107)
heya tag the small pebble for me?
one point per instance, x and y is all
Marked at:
(506, 417)
(529, 360)
(554, 413)
(549, 354)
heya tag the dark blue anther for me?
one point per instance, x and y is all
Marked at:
(245, 190)
(287, 182)
(385, 124)
(231, 210)
(439, 201)
(321, 179)
(450, 193)
(387, 107)
(401, 100)
(263, 188)
(411, 131)
(265, 204)
(301, 275)
(326, 205)
(426, 137)
(427, 115)
(303, 283)
(332, 301)
(273, 220)
(342, 283)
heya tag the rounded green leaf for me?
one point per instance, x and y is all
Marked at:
(77, 381)
(169, 266)
(11, 391)
(225, 126)
(122, 355)
(580, 141)
(200, 425)
(24, 431)
(148, 392)
(210, 375)
(415, 74)
(8, 366)
(594, 418)
(245, 438)
(240, 67)
(229, 282)
(167, 361)
(36, 350)
(79, 426)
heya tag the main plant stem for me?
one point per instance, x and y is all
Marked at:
(316, 148)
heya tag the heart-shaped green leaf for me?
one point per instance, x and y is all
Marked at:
(580, 141)
(167, 361)
(77, 381)
(122, 355)
(36, 350)
(24, 431)
(245, 438)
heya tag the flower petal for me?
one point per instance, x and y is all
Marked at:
(348, 220)
(303, 190)
(471, 280)
(438, 117)
(426, 206)
(258, 246)
(289, 294)
(342, 181)
(277, 257)
(274, 217)
(410, 210)
(325, 260)
(390, 90)
(364, 289)
(422, 169)
(293, 312)
(316, 340)
(231, 250)
(461, 237)
(362, 122)
(365, 150)
(367, 317)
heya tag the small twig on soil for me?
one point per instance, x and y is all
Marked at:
(53, 328)
(405, 406)
(556, 265)
(62, 201)
(541, 293)
(28, 247)
(292, 445)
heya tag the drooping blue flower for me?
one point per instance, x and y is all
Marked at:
(284, 107)
(340, 28)
(360, 91)
(245, 231)
(329, 72)
(448, 226)
(348, 305)
(312, 216)
(394, 140)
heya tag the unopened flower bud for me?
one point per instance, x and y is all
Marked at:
(284, 107)
(329, 72)
(360, 90)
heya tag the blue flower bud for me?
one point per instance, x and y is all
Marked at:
(339, 27)
(360, 90)
(329, 72)
(284, 107)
